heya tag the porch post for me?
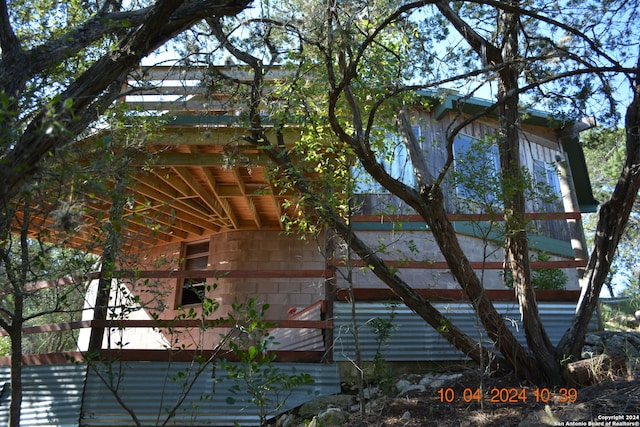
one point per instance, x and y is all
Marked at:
(570, 202)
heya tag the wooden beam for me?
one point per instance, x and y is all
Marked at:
(466, 217)
(223, 274)
(162, 214)
(191, 159)
(213, 186)
(254, 212)
(451, 295)
(180, 212)
(478, 265)
(243, 190)
(166, 189)
(198, 74)
(199, 190)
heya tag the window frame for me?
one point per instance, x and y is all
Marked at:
(546, 173)
(462, 192)
(400, 167)
(188, 289)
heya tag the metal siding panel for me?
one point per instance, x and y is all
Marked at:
(297, 340)
(52, 395)
(149, 389)
(414, 340)
(142, 382)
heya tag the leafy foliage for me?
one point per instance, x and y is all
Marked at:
(383, 329)
(552, 279)
(605, 155)
(256, 374)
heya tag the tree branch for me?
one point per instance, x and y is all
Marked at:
(162, 22)
(8, 40)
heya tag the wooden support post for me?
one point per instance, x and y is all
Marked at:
(570, 202)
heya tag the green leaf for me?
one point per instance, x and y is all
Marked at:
(252, 352)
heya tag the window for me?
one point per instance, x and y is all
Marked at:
(396, 162)
(546, 176)
(477, 170)
(196, 257)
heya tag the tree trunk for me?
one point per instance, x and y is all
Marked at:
(613, 218)
(80, 103)
(513, 187)
(431, 208)
(110, 252)
(435, 215)
(15, 334)
(406, 293)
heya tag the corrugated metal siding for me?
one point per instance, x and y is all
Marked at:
(300, 339)
(144, 389)
(52, 395)
(414, 340)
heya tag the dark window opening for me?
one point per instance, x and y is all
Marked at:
(196, 257)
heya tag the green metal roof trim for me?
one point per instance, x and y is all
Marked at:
(449, 100)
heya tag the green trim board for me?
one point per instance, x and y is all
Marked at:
(581, 181)
(539, 243)
(449, 100)
(472, 229)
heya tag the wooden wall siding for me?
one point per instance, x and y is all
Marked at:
(543, 146)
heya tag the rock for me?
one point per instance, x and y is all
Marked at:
(576, 413)
(437, 380)
(286, 420)
(371, 392)
(332, 417)
(406, 416)
(404, 386)
(540, 418)
(314, 407)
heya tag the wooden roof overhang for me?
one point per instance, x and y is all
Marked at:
(195, 177)
(190, 186)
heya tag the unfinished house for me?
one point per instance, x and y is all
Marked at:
(206, 220)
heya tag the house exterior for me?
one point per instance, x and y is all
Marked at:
(220, 225)
(217, 228)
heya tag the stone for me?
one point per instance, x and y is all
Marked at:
(540, 418)
(406, 416)
(332, 417)
(371, 392)
(405, 386)
(314, 407)
(286, 420)
(435, 381)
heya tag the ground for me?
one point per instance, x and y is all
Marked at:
(611, 397)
